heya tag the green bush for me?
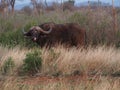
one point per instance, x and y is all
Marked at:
(11, 38)
(11, 31)
(8, 66)
(14, 38)
(32, 62)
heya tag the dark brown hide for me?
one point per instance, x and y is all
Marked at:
(69, 34)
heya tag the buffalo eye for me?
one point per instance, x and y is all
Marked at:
(43, 36)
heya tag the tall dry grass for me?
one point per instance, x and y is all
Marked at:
(102, 60)
(16, 54)
(99, 62)
(67, 61)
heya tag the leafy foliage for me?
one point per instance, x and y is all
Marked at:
(32, 62)
(14, 38)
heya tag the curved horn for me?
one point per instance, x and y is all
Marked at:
(23, 31)
(46, 32)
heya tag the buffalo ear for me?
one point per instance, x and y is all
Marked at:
(46, 27)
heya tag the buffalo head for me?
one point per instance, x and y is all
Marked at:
(36, 32)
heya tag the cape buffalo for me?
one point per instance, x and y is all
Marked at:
(50, 34)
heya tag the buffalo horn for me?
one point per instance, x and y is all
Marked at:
(23, 31)
(46, 32)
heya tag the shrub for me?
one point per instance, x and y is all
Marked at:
(14, 38)
(32, 62)
(11, 38)
(8, 66)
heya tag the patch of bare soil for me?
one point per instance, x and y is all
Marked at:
(65, 79)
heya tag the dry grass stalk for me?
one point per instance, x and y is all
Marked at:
(114, 17)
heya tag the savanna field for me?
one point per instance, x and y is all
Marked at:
(26, 66)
